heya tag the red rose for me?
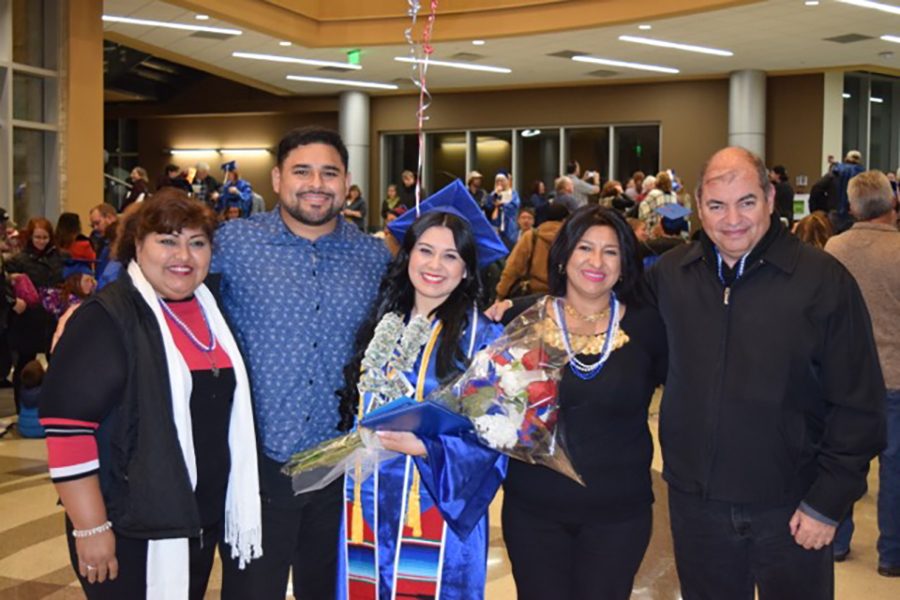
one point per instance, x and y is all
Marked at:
(540, 390)
(535, 359)
(500, 359)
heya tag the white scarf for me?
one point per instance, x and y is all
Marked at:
(168, 573)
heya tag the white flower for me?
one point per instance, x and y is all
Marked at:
(497, 431)
(518, 353)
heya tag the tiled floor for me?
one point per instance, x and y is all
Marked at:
(34, 562)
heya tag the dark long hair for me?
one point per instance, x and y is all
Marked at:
(396, 294)
(571, 233)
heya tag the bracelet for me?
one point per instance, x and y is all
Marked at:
(83, 533)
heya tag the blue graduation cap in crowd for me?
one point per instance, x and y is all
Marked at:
(231, 165)
(673, 211)
(455, 199)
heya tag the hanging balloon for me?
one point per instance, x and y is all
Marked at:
(420, 53)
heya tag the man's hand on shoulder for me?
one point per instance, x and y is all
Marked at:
(809, 532)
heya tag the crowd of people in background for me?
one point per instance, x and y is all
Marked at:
(50, 270)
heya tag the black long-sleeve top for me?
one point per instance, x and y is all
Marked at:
(86, 383)
(604, 423)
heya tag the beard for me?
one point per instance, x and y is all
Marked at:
(311, 217)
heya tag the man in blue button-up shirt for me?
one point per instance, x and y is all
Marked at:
(297, 282)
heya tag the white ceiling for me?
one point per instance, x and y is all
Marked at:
(772, 35)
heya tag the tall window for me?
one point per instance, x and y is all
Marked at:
(530, 154)
(872, 119)
(29, 107)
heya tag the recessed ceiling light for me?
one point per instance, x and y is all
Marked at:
(675, 45)
(891, 38)
(163, 24)
(202, 17)
(284, 43)
(894, 10)
(453, 64)
(811, 2)
(876, 100)
(645, 27)
(527, 133)
(345, 82)
(297, 61)
(245, 151)
(478, 42)
(190, 151)
(624, 64)
(845, 95)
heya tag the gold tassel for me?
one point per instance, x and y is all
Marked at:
(356, 517)
(414, 507)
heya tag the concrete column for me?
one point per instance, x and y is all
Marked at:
(747, 111)
(353, 124)
(832, 119)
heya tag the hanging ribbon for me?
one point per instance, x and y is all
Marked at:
(420, 54)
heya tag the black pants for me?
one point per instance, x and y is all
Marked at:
(299, 533)
(586, 561)
(725, 550)
(132, 557)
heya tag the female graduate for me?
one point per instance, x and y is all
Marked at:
(417, 526)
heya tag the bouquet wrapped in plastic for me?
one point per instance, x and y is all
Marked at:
(509, 393)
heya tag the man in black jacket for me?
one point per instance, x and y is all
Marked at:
(773, 405)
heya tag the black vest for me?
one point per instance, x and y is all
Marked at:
(143, 475)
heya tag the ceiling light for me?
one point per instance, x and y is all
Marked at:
(891, 38)
(645, 27)
(845, 95)
(453, 64)
(528, 133)
(245, 151)
(284, 43)
(626, 65)
(674, 45)
(346, 82)
(192, 151)
(876, 100)
(202, 17)
(478, 42)
(163, 24)
(299, 61)
(894, 10)
(811, 2)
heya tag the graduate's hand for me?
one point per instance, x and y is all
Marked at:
(403, 442)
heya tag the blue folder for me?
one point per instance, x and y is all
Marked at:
(425, 419)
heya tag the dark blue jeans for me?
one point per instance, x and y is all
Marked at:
(725, 550)
(888, 493)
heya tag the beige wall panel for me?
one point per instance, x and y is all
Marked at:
(82, 145)
(157, 134)
(693, 115)
(794, 113)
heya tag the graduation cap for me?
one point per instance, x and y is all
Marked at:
(231, 165)
(673, 211)
(455, 199)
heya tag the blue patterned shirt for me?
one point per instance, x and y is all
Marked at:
(295, 307)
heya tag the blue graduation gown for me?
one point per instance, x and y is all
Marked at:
(458, 481)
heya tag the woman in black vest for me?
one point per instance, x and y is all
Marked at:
(149, 426)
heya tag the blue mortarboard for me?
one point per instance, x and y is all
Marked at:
(455, 199)
(673, 211)
(231, 165)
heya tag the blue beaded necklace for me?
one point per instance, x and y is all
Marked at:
(740, 266)
(587, 371)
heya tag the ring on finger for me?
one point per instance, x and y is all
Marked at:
(90, 567)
